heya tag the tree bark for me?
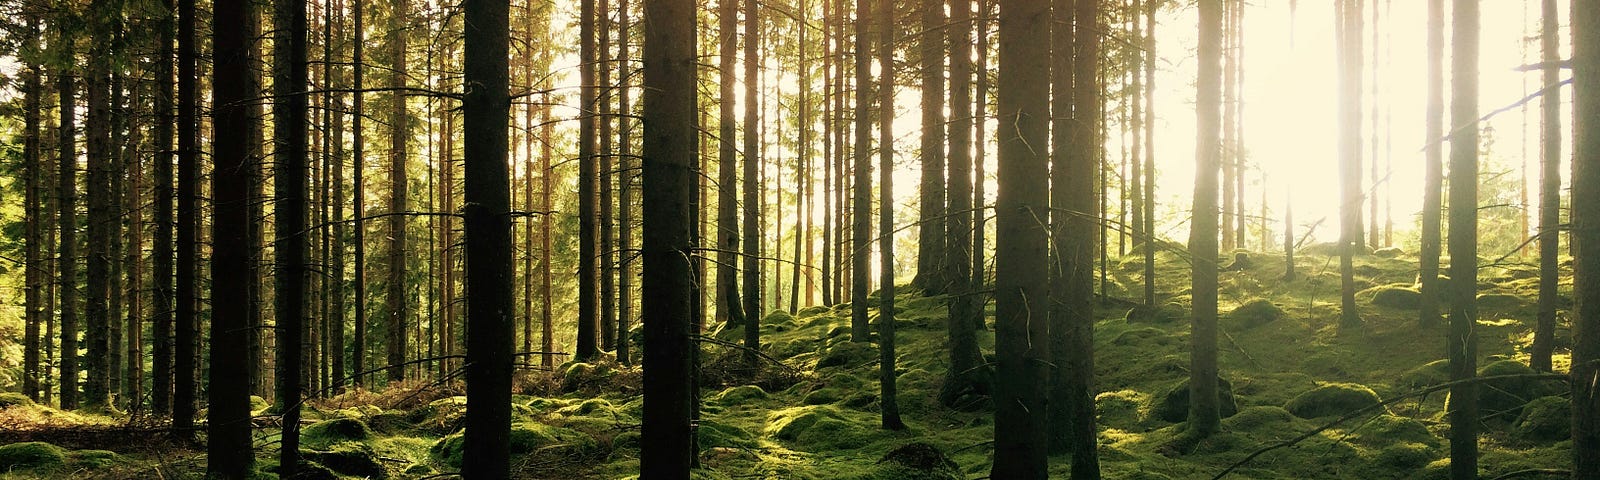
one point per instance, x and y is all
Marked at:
(161, 261)
(931, 193)
(66, 201)
(588, 189)
(967, 374)
(1549, 191)
(1462, 340)
(861, 208)
(396, 304)
(228, 446)
(1021, 280)
(729, 308)
(185, 321)
(889, 406)
(752, 194)
(1350, 200)
(1433, 176)
(1586, 242)
(1204, 411)
(358, 349)
(33, 204)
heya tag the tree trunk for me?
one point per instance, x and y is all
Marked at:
(752, 194)
(729, 309)
(1150, 158)
(889, 406)
(1350, 238)
(228, 448)
(185, 329)
(588, 189)
(1549, 191)
(396, 305)
(931, 193)
(486, 110)
(1462, 340)
(33, 204)
(1586, 242)
(626, 172)
(669, 182)
(161, 275)
(1204, 416)
(1433, 176)
(967, 375)
(861, 183)
(66, 201)
(358, 348)
(1021, 279)
(607, 171)
(289, 216)
(340, 227)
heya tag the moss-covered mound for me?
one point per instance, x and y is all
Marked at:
(1500, 302)
(1545, 419)
(848, 354)
(526, 438)
(31, 455)
(349, 458)
(1394, 296)
(326, 433)
(1163, 314)
(739, 395)
(1332, 399)
(1387, 429)
(586, 376)
(1255, 313)
(14, 399)
(92, 459)
(1173, 405)
(713, 434)
(915, 461)
(1504, 398)
(439, 417)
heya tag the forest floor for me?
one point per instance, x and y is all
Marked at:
(815, 416)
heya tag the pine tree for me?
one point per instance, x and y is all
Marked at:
(228, 447)
(1204, 411)
(1461, 343)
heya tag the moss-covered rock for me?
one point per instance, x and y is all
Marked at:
(1163, 314)
(811, 311)
(1405, 456)
(1394, 295)
(1119, 409)
(526, 438)
(1173, 406)
(1500, 301)
(1143, 336)
(1504, 398)
(1545, 419)
(14, 399)
(713, 434)
(1259, 418)
(738, 395)
(579, 375)
(1386, 429)
(326, 433)
(440, 417)
(915, 461)
(1254, 313)
(1332, 399)
(823, 396)
(349, 458)
(789, 423)
(258, 404)
(1388, 252)
(30, 456)
(92, 459)
(831, 434)
(778, 321)
(1428, 374)
(848, 354)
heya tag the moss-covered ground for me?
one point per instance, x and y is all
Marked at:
(815, 416)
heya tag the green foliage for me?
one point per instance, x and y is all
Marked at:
(1332, 399)
(31, 456)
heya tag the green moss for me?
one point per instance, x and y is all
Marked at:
(1386, 429)
(1259, 418)
(258, 404)
(326, 433)
(789, 423)
(1119, 409)
(1388, 252)
(823, 396)
(831, 434)
(579, 375)
(848, 354)
(1500, 301)
(349, 458)
(739, 395)
(1174, 404)
(1504, 398)
(526, 437)
(1429, 374)
(1254, 313)
(713, 434)
(1406, 456)
(440, 417)
(812, 311)
(92, 459)
(30, 455)
(1164, 314)
(1332, 399)
(1142, 336)
(1545, 419)
(14, 399)
(1395, 295)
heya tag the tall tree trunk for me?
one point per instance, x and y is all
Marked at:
(66, 201)
(588, 188)
(1230, 69)
(1586, 242)
(486, 109)
(607, 171)
(340, 227)
(802, 171)
(669, 181)
(185, 323)
(1150, 157)
(1462, 341)
(861, 208)
(1350, 238)
(889, 406)
(829, 145)
(259, 333)
(289, 72)
(161, 261)
(1021, 280)
(97, 142)
(133, 259)
(752, 195)
(1204, 411)
(33, 204)
(1433, 176)
(626, 172)
(729, 308)
(1549, 190)
(967, 375)
(228, 447)
(979, 169)
(547, 317)
(396, 305)
(1136, 125)
(931, 192)
(358, 348)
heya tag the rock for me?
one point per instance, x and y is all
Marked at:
(1241, 262)
(714, 434)
(916, 460)
(1545, 419)
(1426, 375)
(848, 354)
(30, 455)
(1394, 296)
(1259, 417)
(1332, 399)
(581, 375)
(1386, 429)
(349, 458)
(739, 395)
(1174, 404)
(92, 459)
(1142, 336)
(1504, 398)
(1256, 312)
(823, 396)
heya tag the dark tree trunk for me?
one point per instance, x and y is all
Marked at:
(547, 327)
(861, 207)
(338, 306)
(133, 256)
(1586, 242)
(161, 274)
(185, 322)
(66, 201)
(588, 189)
(289, 72)
(607, 160)
(626, 172)
(486, 109)
(97, 275)
(396, 305)
(1350, 238)
(752, 194)
(889, 406)
(1461, 344)
(931, 193)
(729, 309)
(228, 445)
(980, 175)
(33, 204)
(1433, 176)
(358, 347)
(1021, 279)
(259, 334)
(1204, 417)
(1549, 191)
(1150, 157)
(670, 146)
(967, 375)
